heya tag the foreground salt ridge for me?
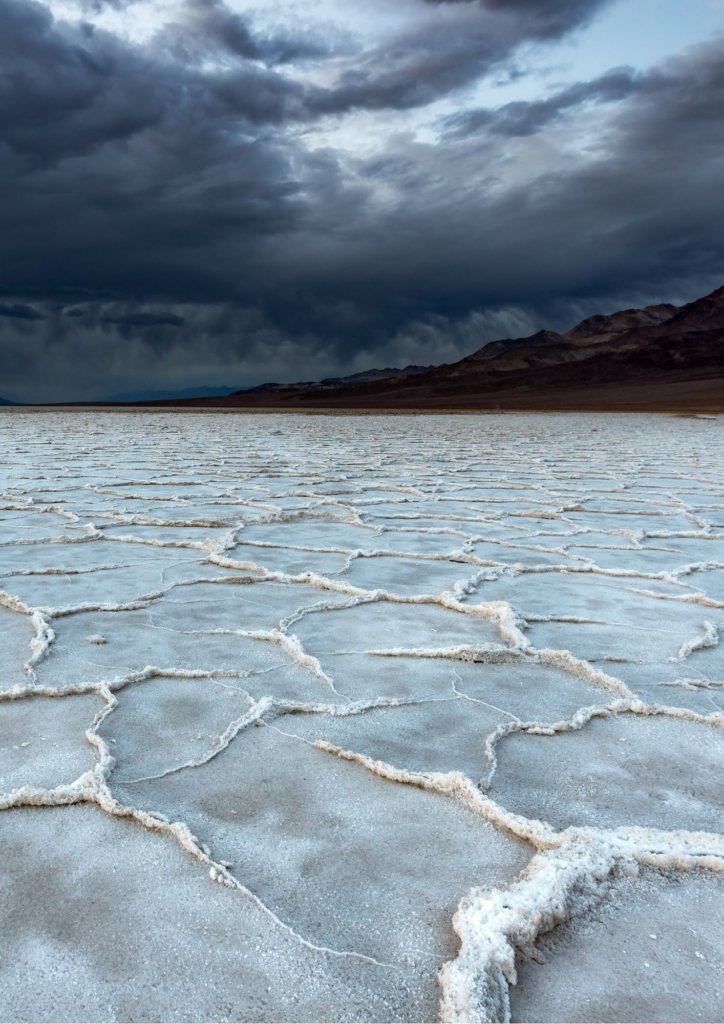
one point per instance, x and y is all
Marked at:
(568, 863)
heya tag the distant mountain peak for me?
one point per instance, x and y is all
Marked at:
(624, 320)
(702, 313)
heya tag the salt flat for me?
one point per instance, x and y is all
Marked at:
(361, 718)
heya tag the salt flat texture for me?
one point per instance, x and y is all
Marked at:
(377, 718)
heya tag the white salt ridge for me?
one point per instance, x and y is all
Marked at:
(390, 576)
(558, 884)
(708, 638)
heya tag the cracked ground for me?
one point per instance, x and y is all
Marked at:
(361, 718)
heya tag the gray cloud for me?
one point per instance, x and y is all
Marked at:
(143, 319)
(211, 26)
(543, 17)
(20, 311)
(528, 117)
(441, 56)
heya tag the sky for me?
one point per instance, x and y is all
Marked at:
(217, 193)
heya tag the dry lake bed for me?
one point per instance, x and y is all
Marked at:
(341, 718)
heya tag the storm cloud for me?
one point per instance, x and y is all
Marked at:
(224, 200)
(20, 311)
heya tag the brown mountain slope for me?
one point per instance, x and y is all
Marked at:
(656, 357)
(627, 319)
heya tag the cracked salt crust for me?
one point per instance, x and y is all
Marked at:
(356, 674)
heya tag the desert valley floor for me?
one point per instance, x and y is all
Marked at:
(361, 718)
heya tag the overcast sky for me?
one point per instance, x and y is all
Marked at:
(207, 193)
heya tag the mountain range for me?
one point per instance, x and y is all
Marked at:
(659, 357)
(655, 357)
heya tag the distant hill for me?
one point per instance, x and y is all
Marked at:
(4, 401)
(330, 383)
(657, 357)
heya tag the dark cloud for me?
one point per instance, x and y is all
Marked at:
(66, 91)
(143, 319)
(171, 223)
(221, 344)
(63, 92)
(541, 18)
(526, 118)
(20, 311)
(639, 210)
(474, 38)
(131, 173)
(211, 26)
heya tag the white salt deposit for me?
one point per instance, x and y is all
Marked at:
(374, 718)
